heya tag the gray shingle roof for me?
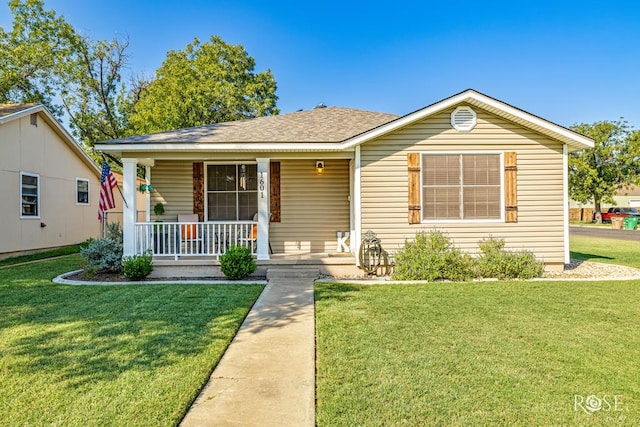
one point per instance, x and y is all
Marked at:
(328, 124)
(7, 109)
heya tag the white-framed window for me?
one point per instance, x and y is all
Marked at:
(461, 187)
(232, 191)
(82, 191)
(29, 195)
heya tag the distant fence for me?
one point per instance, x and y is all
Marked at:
(113, 216)
(581, 214)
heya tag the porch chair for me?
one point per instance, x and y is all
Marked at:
(250, 239)
(252, 235)
(190, 240)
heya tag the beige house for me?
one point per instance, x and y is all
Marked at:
(49, 186)
(313, 182)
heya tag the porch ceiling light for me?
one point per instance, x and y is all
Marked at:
(320, 166)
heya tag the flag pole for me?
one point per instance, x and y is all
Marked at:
(117, 186)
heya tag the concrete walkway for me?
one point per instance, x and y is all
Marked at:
(267, 375)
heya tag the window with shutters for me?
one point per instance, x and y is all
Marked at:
(461, 187)
(232, 192)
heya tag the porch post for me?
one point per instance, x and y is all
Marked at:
(129, 181)
(357, 207)
(263, 208)
(147, 181)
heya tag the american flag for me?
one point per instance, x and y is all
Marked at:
(107, 184)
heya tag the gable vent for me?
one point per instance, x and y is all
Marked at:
(463, 119)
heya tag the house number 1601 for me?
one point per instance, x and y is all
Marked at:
(261, 185)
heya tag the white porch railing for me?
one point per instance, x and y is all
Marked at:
(194, 238)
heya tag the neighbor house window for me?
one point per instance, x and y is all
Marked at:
(461, 187)
(232, 192)
(29, 195)
(82, 191)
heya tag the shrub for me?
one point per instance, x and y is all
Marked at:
(104, 255)
(137, 267)
(237, 262)
(495, 262)
(114, 232)
(432, 256)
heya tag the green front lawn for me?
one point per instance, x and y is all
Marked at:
(489, 353)
(611, 251)
(108, 355)
(66, 250)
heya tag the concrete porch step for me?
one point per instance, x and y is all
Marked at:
(293, 273)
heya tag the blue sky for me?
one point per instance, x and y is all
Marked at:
(566, 61)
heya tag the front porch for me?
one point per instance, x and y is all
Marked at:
(272, 206)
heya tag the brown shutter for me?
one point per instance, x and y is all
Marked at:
(413, 165)
(274, 191)
(510, 187)
(198, 190)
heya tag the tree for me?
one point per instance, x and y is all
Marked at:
(205, 83)
(596, 174)
(95, 99)
(34, 54)
(45, 60)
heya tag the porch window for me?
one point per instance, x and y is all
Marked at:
(232, 192)
(461, 187)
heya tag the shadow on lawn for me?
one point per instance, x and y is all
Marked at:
(335, 291)
(587, 257)
(81, 335)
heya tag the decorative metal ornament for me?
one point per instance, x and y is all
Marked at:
(370, 253)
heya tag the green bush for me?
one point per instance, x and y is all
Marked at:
(237, 262)
(495, 262)
(137, 267)
(104, 255)
(431, 256)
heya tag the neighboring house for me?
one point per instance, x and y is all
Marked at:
(625, 197)
(49, 186)
(469, 165)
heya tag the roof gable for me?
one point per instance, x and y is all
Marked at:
(11, 112)
(327, 129)
(574, 140)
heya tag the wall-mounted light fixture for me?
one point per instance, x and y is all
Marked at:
(320, 166)
(145, 187)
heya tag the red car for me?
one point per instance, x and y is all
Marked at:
(621, 212)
